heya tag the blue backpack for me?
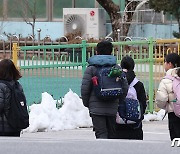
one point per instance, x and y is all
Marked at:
(130, 110)
(107, 83)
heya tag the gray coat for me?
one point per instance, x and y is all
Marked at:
(5, 96)
(95, 105)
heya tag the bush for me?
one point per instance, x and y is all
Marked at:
(176, 34)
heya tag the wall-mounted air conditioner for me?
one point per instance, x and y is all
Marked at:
(90, 22)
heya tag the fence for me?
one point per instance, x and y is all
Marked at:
(56, 72)
(6, 45)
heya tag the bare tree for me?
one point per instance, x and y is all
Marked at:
(2, 24)
(28, 12)
(113, 11)
(2, 18)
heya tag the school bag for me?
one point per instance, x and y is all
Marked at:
(130, 110)
(18, 117)
(176, 90)
(107, 82)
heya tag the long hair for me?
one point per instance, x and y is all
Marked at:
(174, 58)
(8, 71)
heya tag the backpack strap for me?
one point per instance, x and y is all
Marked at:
(134, 82)
(169, 77)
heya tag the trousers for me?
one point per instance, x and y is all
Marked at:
(174, 125)
(104, 126)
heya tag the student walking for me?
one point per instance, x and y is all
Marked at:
(8, 74)
(132, 130)
(102, 112)
(165, 95)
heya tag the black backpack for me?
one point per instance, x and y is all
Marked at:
(18, 117)
(107, 83)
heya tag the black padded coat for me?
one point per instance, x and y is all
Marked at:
(5, 96)
(97, 106)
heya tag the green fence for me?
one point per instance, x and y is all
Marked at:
(57, 68)
(50, 69)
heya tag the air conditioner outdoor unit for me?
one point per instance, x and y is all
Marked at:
(89, 22)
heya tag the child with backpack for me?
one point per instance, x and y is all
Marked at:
(102, 87)
(168, 93)
(131, 110)
(13, 114)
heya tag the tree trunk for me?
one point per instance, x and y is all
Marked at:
(33, 33)
(113, 11)
(115, 17)
(33, 26)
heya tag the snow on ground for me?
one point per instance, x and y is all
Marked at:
(46, 117)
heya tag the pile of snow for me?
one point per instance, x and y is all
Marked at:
(156, 116)
(46, 117)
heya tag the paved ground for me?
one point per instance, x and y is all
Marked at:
(82, 141)
(151, 131)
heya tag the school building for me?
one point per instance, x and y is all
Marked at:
(51, 20)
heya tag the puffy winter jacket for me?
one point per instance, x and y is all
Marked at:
(95, 105)
(165, 95)
(5, 96)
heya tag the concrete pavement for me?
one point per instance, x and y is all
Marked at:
(151, 131)
(82, 141)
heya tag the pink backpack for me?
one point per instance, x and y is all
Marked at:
(176, 90)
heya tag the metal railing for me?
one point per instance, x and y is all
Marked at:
(49, 70)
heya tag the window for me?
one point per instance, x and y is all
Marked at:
(26, 8)
(1, 8)
(117, 1)
(170, 18)
(84, 4)
(43, 8)
(58, 6)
